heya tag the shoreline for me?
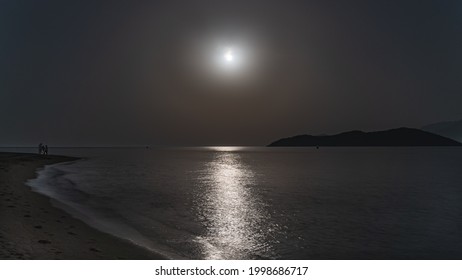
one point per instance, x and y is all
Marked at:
(32, 228)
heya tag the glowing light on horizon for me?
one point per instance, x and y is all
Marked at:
(226, 148)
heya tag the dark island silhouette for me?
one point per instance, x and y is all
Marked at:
(394, 137)
(451, 129)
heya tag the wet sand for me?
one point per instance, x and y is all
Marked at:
(31, 228)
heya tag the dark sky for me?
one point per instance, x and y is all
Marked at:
(145, 72)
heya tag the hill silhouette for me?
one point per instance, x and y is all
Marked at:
(393, 137)
(452, 129)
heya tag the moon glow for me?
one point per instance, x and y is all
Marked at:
(229, 56)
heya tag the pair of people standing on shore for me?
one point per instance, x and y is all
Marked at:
(43, 149)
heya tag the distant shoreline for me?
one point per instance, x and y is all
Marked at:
(32, 228)
(397, 137)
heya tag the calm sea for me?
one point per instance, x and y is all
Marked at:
(268, 203)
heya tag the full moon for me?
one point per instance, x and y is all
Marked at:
(229, 56)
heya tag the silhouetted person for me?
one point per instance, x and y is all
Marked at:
(40, 148)
(45, 150)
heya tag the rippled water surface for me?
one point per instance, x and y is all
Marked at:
(270, 203)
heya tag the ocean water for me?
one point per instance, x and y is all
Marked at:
(268, 203)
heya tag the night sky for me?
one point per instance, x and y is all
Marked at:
(91, 73)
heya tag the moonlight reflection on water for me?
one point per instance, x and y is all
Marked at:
(235, 218)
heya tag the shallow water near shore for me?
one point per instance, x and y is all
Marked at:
(270, 203)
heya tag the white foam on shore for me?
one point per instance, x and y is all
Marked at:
(51, 177)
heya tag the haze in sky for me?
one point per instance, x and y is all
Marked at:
(85, 73)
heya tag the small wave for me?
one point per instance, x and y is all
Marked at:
(53, 181)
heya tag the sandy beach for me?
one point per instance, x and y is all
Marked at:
(31, 228)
